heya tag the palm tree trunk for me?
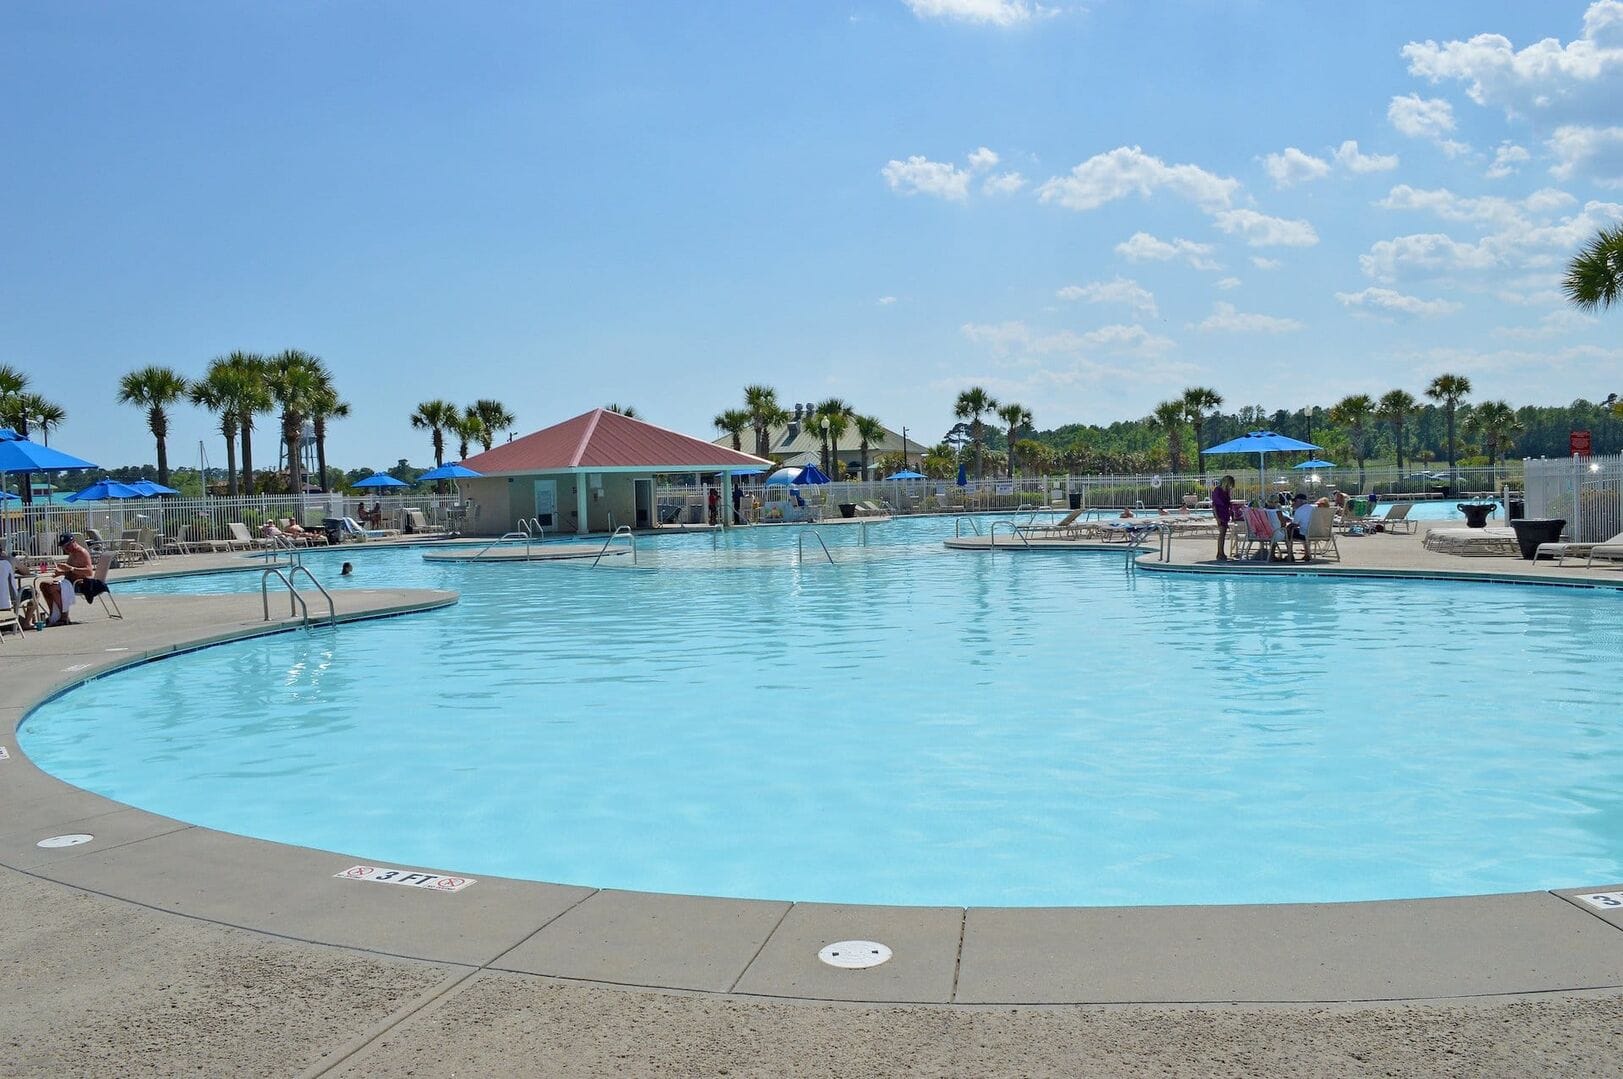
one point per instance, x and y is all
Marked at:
(248, 456)
(1451, 455)
(1397, 437)
(980, 470)
(321, 452)
(290, 436)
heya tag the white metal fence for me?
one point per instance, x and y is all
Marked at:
(1586, 492)
(32, 530)
(688, 503)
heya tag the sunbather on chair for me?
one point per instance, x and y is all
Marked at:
(59, 594)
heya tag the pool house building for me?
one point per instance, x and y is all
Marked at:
(592, 473)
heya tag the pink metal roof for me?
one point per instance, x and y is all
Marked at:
(604, 439)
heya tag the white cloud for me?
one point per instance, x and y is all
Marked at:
(1128, 170)
(1265, 263)
(1554, 324)
(1349, 157)
(921, 176)
(982, 158)
(994, 12)
(1489, 210)
(1594, 153)
(1226, 283)
(1292, 166)
(1005, 183)
(1260, 230)
(1430, 251)
(1225, 319)
(1142, 247)
(1389, 301)
(1122, 290)
(1506, 159)
(1421, 117)
(886, 301)
(1016, 340)
(1582, 80)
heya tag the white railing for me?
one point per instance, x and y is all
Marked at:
(33, 529)
(1586, 492)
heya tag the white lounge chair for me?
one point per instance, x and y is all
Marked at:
(244, 540)
(1397, 518)
(1562, 551)
(104, 562)
(1321, 534)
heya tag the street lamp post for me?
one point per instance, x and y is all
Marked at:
(904, 446)
(828, 460)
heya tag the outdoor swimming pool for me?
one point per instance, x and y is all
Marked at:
(908, 725)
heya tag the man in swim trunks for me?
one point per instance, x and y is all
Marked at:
(79, 567)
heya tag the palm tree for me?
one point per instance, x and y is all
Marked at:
(872, 433)
(1450, 390)
(1197, 401)
(1355, 412)
(469, 428)
(325, 405)
(1168, 416)
(834, 415)
(239, 379)
(761, 402)
(1496, 424)
(294, 380)
(436, 417)
(1595, 274)
(209, 393)
(971, 405)
(495, 417)
(154, 389)
(732, 422)
(1016, 416)
(47, 414)
(628, 411)
(1393, 410)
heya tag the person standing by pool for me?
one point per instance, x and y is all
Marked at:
(738, 504)
(1222, 510)
(714, 499)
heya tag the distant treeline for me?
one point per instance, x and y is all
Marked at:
(1133, 446)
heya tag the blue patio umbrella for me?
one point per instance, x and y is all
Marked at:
(452, 471)
(907, 474)
(798, 476)
(22, 455)
(1261, 443)
(148, 488)
(105, 491)
(813, 474)
(963, 476)
(1316, 463)
(380, 479)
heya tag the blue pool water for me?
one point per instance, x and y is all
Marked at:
(909, 725)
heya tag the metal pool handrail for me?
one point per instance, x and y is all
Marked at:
(800, 544)
(623, 530)
(295, 602)
(1013, 527)
(958, 526)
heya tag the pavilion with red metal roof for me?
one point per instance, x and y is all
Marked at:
(592, 473)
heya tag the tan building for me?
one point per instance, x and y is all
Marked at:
(592, 473)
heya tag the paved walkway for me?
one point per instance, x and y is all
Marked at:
(158, 947)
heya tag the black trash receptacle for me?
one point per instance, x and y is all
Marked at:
(1532, 531)
(334, 529)
(848, 509)
(1076, 500)
(1516, 510)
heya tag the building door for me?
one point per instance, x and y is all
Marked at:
(546, 503)
(643, 494)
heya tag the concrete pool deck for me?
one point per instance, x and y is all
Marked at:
(224, 953)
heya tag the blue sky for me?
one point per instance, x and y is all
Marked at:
(1084, 207)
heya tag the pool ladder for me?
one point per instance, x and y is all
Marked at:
(295, 603)
(800, 544)
(521, 533)
(631, 537)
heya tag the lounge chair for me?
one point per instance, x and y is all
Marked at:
(1321, 534)
(1066, 527)
(1261, 527)
(1562, 551)
(418, 524)
(1611, 551)
(243, 540)
(1397, 519)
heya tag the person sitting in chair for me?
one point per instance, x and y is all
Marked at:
(59, 593)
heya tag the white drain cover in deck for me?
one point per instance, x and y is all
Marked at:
(65, 840)
(854, 954)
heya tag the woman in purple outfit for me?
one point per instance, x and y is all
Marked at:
(1222, 505)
